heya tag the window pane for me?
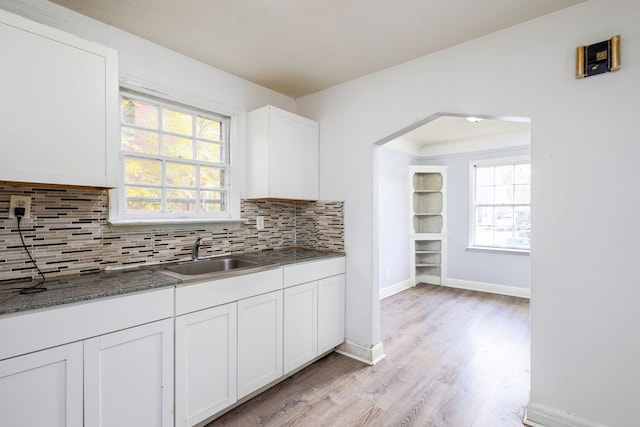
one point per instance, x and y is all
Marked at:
(143, 199)
(211, 201)
(139, 113)
(523, 193)
(143, 192)
(140, 141)
(484, 195)
(209, 152)
(504, 194)
(208, 196)
(503, 236)
(484, 236)
(208, 129)
(503, 215)
(523, 174)
(181, 175)
(484, 215)
(181, 200)
(181, 205)
(484, 176)
(522, 215)
(177, 122)
(522, 238)
(143, 171)
(174, 146)
(211, 177)
(504, 175)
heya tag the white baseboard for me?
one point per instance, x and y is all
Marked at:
(395, 288)
(537, 415)
(369, 354)
(491, 288)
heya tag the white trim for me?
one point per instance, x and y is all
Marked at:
(395, 288)
(369, 354)
(492, 288)
(538, 415)
(132, 225)
(499, 250)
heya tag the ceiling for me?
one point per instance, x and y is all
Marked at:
(452, 129)
(298, 47)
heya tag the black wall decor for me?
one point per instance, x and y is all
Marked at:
(598, 58)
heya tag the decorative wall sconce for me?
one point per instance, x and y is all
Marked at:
(598, 58)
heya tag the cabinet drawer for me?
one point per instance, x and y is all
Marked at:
(24, 333)
(314, 270)
(203, 295)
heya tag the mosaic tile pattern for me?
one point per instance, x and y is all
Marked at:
(68, 233)
(320, 225)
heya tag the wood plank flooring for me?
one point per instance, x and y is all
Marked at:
(454, 358)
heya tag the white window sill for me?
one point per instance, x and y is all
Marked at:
(499, 250)
(149, 224)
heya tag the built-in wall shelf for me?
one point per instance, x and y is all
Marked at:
(428, 223)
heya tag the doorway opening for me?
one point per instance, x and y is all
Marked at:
(456, 142)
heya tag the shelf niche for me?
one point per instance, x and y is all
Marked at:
(428, 225)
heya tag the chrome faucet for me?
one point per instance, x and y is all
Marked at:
(196, 249)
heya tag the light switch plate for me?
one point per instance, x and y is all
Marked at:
(260, 222)
(20, 202)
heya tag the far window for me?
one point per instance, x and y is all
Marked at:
(175, 159)
(501, 204)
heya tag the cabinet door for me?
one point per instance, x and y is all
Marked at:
(300, 325)
(129, 377)
(294, 156)
(331, 312)
(42, 388)
(259, 341)
(205, 363)
(59, 106)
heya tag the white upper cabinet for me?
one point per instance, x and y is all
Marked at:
(59, 107)
(282, 155)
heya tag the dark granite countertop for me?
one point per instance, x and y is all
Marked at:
(288, 256)
(85, 287)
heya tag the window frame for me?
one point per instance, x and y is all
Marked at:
(494, 162)
(118, 216)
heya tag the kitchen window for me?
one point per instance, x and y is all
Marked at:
(501, 204)
(175, 160)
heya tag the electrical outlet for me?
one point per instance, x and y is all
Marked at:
(386, 274)
(20, 202)
(260, 222)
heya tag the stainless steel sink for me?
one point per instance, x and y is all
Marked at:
(217, 265)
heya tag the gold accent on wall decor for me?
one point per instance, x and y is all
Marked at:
(598, 58)
(580, 73)
(614, 64)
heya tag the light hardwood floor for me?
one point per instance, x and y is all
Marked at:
(454, 358)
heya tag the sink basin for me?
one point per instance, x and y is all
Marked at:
(218, 265)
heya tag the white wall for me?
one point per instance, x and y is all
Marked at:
(393, 218)
(585, 149)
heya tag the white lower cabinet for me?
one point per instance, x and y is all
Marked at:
(205, 363)
(43, 388)
(314, 320)
(107, 362)
(128, 377)
(300, 325)
(260, 333)
(331, 312)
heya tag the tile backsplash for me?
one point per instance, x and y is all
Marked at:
(68, 233)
